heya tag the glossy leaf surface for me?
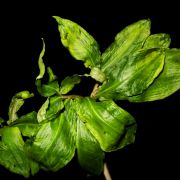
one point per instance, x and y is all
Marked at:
(12, 152)
(129, 40)
(90, 155)
(133, 74)
(168, 81)
(112, 126)
(55, 143)
(80, 44)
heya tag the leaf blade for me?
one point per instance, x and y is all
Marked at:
(12, 153)
(129, 40)
(90, 155)
(168, 81)
(55, 143)
(108, 123)
(133, 74)
(80, 44)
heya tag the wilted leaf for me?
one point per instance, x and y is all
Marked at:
(112, 126)
(80, 44)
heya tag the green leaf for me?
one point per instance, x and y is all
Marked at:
(16, 103)
(41, 115)
(41, 63)
(80, 44)
(157, 41)
(112, 126)
(12, 153)
(55, 143)
(55, 106)
(27, 124)
(68, 83)
(52, 87)
(52, 76)
(50, 109)
(133, 74)
(97, 74)
(90, 155)
(49, 89)
(1, 121)
(129, 40)
(167, 82)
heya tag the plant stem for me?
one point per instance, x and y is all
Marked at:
(106, 172)
(70, 96)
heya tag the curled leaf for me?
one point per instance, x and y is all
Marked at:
(68, 83)
(16, 103)
(41, 63)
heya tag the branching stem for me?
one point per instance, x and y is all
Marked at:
(70, 96)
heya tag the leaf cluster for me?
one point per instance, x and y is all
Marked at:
(137, 66)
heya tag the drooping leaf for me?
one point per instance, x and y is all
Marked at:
(41, 63)
(12, 153)
(80, 44)
(167, 82)
(90, 155)
(52, 87)
(16, 103)
(49, 89)
(55, 142)
(129, 40)
(68, 83)
(157, 41)
(112, 126)
(133, 74)
(27, 124)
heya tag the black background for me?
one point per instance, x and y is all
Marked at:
(155, 152)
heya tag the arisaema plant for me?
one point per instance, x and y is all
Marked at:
(138, 66)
